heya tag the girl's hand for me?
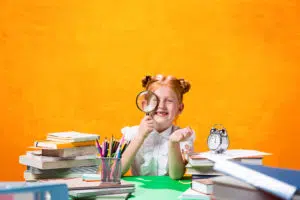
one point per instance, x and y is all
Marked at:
(181, 134)
(146, 126)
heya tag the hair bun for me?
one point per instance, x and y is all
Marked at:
(185, 85)
(146, 81)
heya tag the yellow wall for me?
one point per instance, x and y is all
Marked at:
(77, 65)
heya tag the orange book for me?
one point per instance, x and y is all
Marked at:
(47, 144)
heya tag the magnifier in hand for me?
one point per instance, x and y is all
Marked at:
(147, 101)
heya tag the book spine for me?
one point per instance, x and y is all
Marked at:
(257, 179)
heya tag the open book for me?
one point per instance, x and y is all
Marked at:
(283, 183)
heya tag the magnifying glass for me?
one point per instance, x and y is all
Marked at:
(147, 101)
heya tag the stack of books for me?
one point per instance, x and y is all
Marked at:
(201, 167)
(61, 155)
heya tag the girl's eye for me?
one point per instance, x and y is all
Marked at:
(170, 100)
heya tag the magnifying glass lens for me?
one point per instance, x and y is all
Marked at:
(147, 101)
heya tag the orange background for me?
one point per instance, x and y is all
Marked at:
(69, 65)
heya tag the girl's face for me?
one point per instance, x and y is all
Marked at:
(168, 108)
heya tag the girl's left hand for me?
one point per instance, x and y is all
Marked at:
(181, 134)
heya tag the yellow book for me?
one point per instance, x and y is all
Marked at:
(47, 144)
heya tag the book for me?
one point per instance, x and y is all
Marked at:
(203, 163)
(80, 170)
(201, 170)
(122, 196)
(283, 183)
(70, 152)
(34, 174)
(51, 163)
(17, 190)
(62, 145)
(100, 191)
(72, 136)
(192, 194)
(198, 176)
(29, 176)
(207, 158)
(51, 158)
(226, 187)
(202, 185)
(91, 177)
(79, 184)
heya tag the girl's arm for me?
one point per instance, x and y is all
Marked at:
(130, 152)
(146, 126)
(176, 161)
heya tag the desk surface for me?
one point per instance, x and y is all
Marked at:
(157, 187)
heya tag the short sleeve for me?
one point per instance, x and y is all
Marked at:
(129, 132)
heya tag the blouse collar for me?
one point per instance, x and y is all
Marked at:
(165, 133)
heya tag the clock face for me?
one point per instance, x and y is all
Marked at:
(214, 141)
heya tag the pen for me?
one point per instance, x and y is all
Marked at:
(105, 147)
(110, 146)
(118, 152)
(99, 148)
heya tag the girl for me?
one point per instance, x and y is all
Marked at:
(156, 144)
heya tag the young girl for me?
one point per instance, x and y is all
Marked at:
(156, 145)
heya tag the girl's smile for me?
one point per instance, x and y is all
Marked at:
(162, 113)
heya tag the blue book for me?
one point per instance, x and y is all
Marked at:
(284, 183)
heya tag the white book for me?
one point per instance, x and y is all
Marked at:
(97, 192)
(28, 176)
(79, 184)
(50, 163)
(72, 136)
(192, 194)
(206, 163)
(75, 170)
(70, 152)
(51, 158)
(243, 155)
(231, 154)
(203, 185)
(123, 196)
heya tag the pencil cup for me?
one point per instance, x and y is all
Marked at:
(110, 170)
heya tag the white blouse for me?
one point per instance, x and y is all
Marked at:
(152, 157)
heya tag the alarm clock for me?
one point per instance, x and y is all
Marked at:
(218, 140)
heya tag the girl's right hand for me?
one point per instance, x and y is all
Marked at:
(146, 126)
